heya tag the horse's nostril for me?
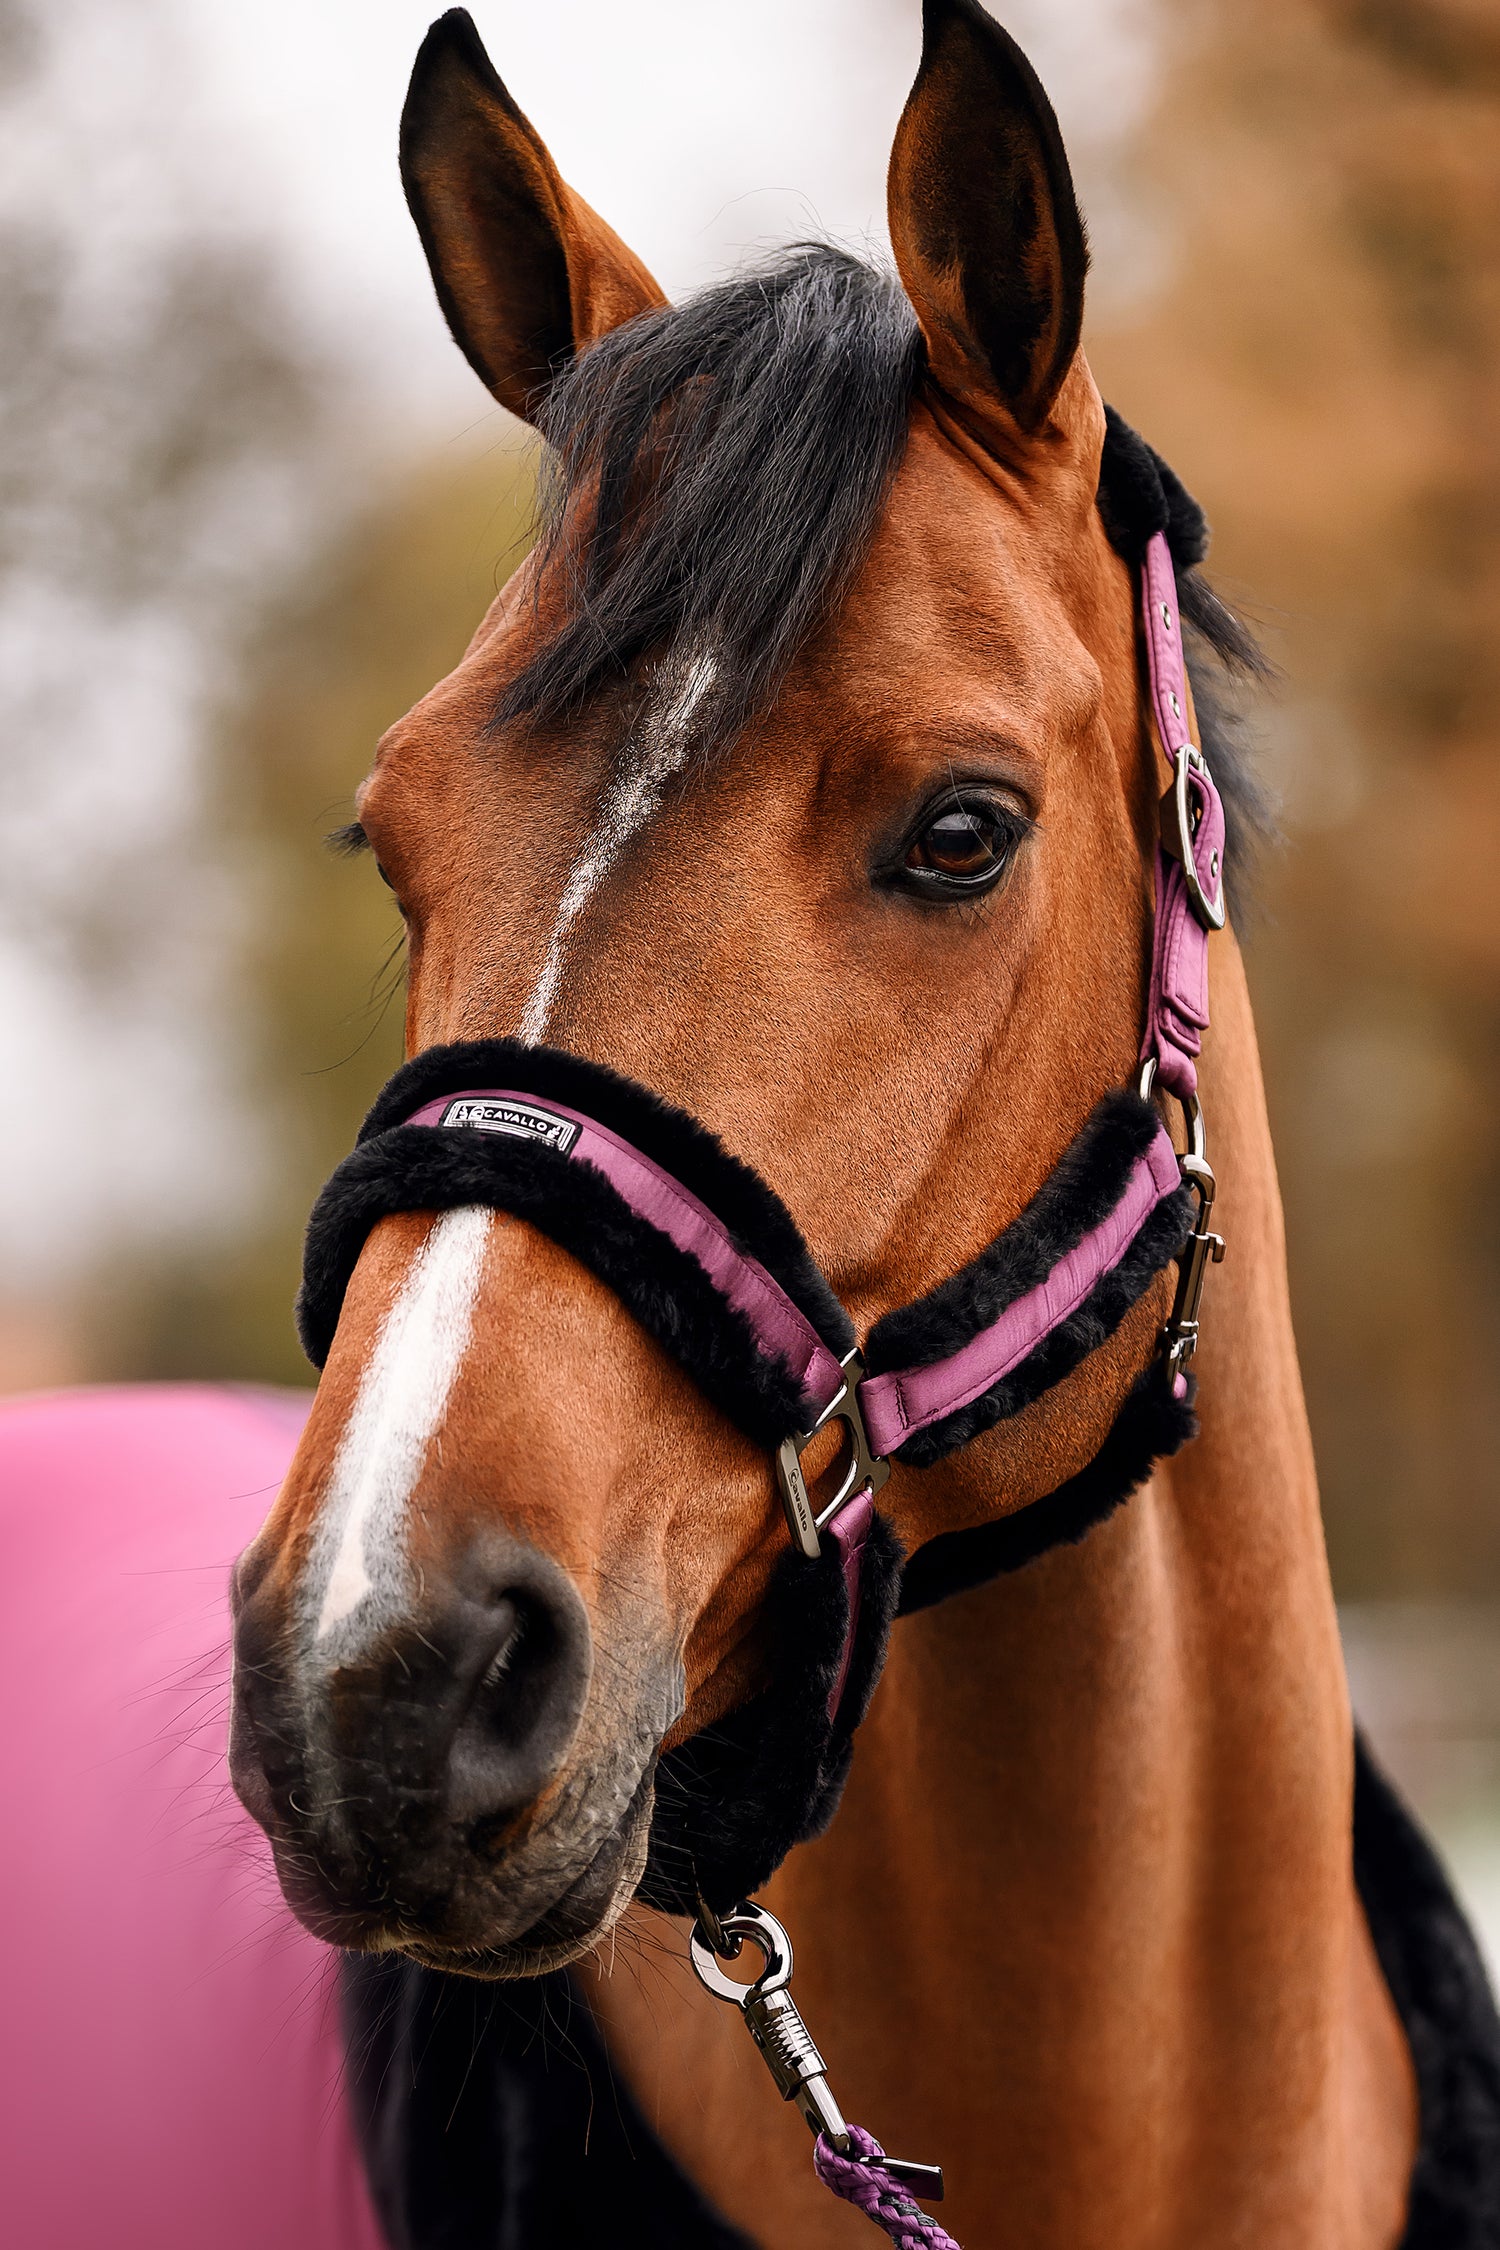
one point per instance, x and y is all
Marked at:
(500, 1663)
(526, 1646)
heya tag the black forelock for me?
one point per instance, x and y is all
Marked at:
(717, 470)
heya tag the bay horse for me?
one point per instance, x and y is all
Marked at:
(789, 831)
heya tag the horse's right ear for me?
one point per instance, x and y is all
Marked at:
(986, 229)
(525, 272)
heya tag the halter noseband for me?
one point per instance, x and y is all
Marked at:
(708, 1259)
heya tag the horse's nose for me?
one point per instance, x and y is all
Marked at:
(520, 1655)
(442, 1716)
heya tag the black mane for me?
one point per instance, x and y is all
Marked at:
(717, 471)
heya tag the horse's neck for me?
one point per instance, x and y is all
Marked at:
(1085, 1927)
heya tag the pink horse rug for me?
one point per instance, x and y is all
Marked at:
(171, 2072)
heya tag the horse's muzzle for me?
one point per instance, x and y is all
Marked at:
(417, 1789)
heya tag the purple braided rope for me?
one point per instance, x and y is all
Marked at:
(860, 2180)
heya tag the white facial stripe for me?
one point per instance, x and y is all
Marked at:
(627, 804)
(359, 1559)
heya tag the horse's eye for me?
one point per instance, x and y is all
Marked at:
(961, 850)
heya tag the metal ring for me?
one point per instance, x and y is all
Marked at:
(726, 1947)
(1190, 1105)
(768, 1937)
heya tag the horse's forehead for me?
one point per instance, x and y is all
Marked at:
(966, 533)
(969, 576)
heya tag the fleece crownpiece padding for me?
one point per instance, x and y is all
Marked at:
(1140, 495)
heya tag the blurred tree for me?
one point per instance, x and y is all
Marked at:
(1322, 369)
(167, 432)
(371, 626)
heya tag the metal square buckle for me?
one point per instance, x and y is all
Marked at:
(864, 1466)
(1178, 828)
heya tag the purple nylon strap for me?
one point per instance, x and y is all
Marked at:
(849, 1530)
(781, 1330)
(910, 1399)
(1177, 1006)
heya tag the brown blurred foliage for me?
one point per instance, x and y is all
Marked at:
(372, 626)
(1322, 369)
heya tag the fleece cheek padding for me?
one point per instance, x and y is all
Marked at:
(1076, 1197)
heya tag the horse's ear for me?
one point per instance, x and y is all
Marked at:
(987, 232)
(526, 273)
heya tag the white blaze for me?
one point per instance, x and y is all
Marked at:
(628, 803)
(359, 1558)
(403, 1395)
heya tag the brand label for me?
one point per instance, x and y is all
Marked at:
(523, 1121)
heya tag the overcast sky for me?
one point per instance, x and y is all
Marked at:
(701, 129)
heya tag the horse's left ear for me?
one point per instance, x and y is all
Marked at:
(988, 237)
(526, 272)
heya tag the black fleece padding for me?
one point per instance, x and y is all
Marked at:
(1442, 1994)
(489, 2118)
(1139, 496)
(735, 1193)
(1076, 1197)
(732, 1801)
(421, 1168)
(1151, 1425)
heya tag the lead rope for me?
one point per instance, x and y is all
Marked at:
(846, 2159)
(864, 2178)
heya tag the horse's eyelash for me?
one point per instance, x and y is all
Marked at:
(348, 840)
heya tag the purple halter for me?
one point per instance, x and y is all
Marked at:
(701, 1251)
(883, 1411)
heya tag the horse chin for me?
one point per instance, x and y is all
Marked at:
(467, 1936)
(585, 1913)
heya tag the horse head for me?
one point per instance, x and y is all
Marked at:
(802, 777)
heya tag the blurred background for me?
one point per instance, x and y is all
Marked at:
(252, 503)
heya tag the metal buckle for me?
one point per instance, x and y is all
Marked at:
(1179, 1338)
(1178, 828)
(865, 1465)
